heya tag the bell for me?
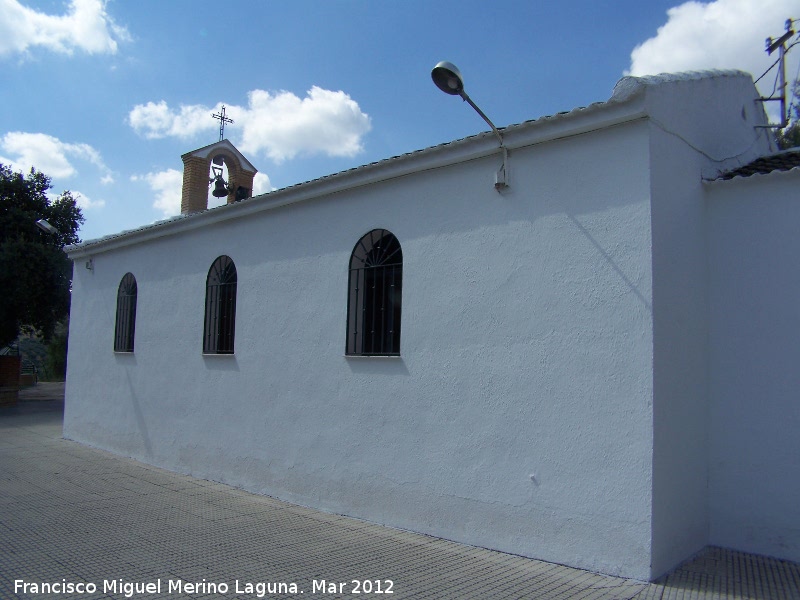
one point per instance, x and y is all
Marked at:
(220, 191)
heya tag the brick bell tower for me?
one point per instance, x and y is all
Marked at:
(198, 176)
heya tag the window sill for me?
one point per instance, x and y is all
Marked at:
(218, 354)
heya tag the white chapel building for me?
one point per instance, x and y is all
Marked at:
(597, 365)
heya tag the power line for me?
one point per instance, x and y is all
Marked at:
(780, 80)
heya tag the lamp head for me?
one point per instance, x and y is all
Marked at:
(46, 227)
(448, 78)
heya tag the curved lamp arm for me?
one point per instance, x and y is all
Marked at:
(448, 78)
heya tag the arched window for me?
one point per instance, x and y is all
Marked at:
(374, 295)
(220, 318)
(126, 314)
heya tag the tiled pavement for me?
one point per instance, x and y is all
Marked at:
(71, 514)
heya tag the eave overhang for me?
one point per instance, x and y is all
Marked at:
(530, 133)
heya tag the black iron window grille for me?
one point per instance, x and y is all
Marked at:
(126, 314)
(374, 295)
(220, 318)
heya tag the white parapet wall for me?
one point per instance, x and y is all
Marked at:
(754, 474)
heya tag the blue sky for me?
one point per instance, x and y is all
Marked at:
(106, 96)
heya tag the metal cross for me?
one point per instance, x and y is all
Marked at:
(222, 120)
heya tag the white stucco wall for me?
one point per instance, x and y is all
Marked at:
(680, 389)
(596, 368)
(754, 478)
(526, 350)
(698, 126)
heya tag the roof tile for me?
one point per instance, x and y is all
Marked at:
(783, 161)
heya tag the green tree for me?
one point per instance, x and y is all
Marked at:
(35, 273)
(789, 136)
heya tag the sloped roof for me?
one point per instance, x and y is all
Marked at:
(782, 161)
(335, 179)
(206, 151)
(586, 118)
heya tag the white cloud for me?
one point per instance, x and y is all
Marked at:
(279, 125)
(282, 125)
(86, 26)
(85, 203)
(167, 187)
(156, 120)
(49, 155)
(261, 184)
(724, 34)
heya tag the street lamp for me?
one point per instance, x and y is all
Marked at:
(448, 78)
(46, 227)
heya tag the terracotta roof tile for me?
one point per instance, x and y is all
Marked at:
(783, 161)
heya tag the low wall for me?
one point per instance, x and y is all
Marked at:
(9, 379)
(27, 379)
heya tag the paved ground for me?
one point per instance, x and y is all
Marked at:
(71, 515)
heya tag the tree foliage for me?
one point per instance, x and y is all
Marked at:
(789, 136)
(35, 273)
(56, 361)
